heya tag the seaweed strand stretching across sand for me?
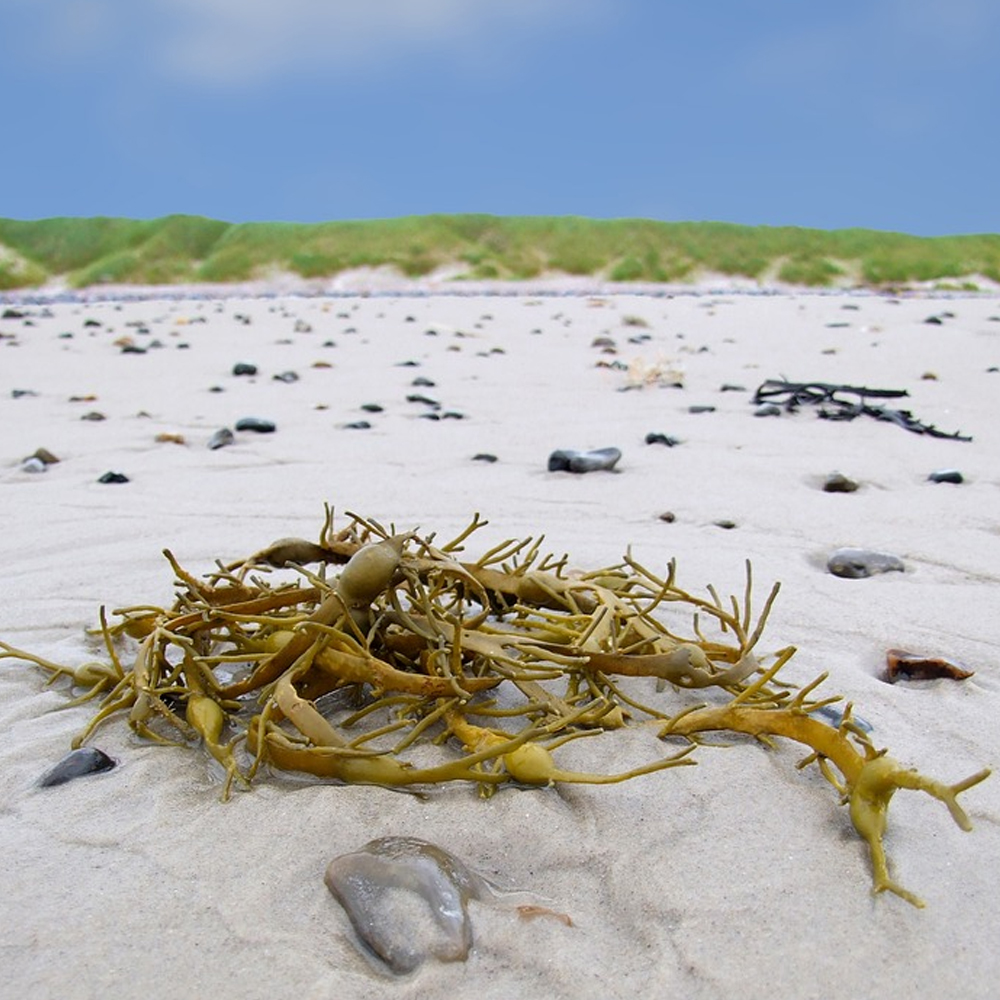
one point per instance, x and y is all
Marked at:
(412, 666)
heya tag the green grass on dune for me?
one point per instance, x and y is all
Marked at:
(182, 248)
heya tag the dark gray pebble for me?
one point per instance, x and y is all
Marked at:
(221, 438)
(653, 438)
(257, 424)
(856, 564)
(484, 456)
(725, 523)
(730, 387)
(244, 368)
(77, 764)
(767, 410)
(22, 393)
(358, 425)
(415, 397)
(113, 477)
(946, 476)
(697, 408)
(133, 349)
(421, 381)
(287, 377)
(837, 482)
(93, 415)
(569, 460)
(371, 407)
(452, 415)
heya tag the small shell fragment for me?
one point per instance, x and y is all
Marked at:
(912, 666)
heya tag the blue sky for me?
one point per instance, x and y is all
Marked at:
(876, 113)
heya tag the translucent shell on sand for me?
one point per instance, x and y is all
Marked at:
(407, 901)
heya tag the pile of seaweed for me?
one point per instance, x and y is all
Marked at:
(343, 658)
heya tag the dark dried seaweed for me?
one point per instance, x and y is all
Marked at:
(845, 402)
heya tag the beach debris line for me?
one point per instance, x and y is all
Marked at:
(488, 666)
(843, 402)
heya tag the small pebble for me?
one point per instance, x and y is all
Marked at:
(421, 381)
(653, 438)
(946, 476)
(767, 410)
(244, 368)
(484, 456)
(570, 460)
(371, 407)
(730, 387)
(133, 349)
(358, 425)
(221, 438)
(426, 400)
(837, 482)
(287, 377)
(113, 477)
(725, 523)
(856, 564)
(668, 516)
(697, 408)
(77, 764)
(44, 455)
(22, 393)
(94, 416)
(257, 424)
(33, 464)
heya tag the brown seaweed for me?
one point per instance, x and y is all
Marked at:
(336, 658)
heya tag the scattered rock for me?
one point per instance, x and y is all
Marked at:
(244, 368)
(358, 425)
(697, 408)
(167, 438)
(484, 456)
(113, 477)
(856, 564)
(222, 437)
(570, 460)
(422, 382)
(934, 320)
(725, 523)
(94, 416)
(22, 393)
(730, 387)
(426, 400)
(76, 764)
(132, 349)
(33, 464)
(668, 516)
(287, 377)
(45, 456)
(654, 438)
(371, 407)
(837, 482)
(257, 424)
(946, 476)
(767, 410)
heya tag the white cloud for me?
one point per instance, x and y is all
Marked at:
(245, 41)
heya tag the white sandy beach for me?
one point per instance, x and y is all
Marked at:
(739, 877)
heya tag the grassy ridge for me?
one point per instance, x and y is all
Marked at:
(181, 248)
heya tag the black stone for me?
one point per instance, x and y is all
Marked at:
(946, 476)
(697, 408)
(113, 477)
(257, 424)
(221, 438)
(371, 407)
(484, 456)
(288, 377)
(244, 368)
(77, 764)
(358, 425)
(654, 438)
